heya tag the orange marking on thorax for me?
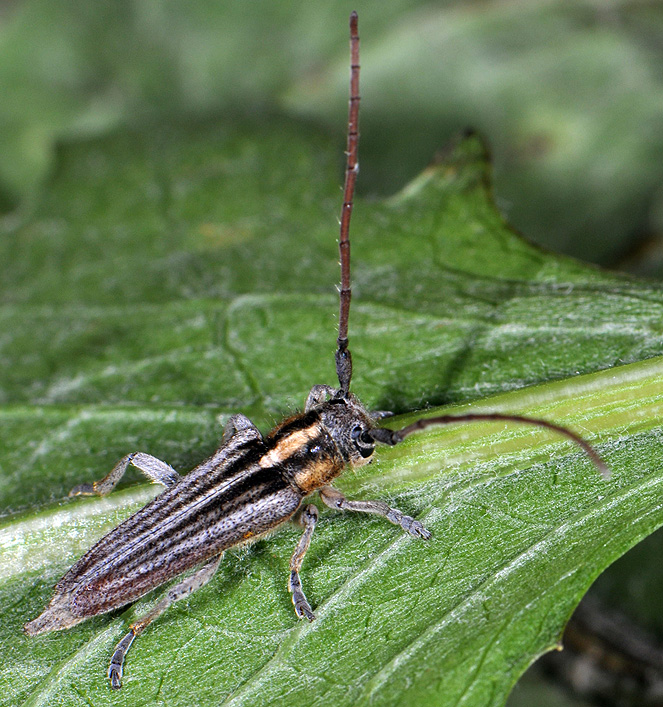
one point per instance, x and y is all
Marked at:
(318, 473)
(289, 445)
(313, 473)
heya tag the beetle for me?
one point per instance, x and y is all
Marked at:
(249, 486)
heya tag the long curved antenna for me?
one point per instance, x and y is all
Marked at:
(343, 357)
(382, 434)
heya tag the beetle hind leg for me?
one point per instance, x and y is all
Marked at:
(179, 591)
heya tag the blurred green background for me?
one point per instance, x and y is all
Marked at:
(569, 96)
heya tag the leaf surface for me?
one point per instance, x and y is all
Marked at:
(169, 279)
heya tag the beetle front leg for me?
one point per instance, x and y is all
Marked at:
(308, 518)
(153, 468)
(335, 499)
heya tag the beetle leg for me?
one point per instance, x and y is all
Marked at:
(179, 591)
(318, 394)
(237, 423)
(153, 468)
(308, 518)
(377, 415)
(335, 499)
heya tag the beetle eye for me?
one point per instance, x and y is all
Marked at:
(363, 441)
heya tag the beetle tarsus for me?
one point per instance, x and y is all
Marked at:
(117, 660)
(299, 600)
(408, 523)
(83, 490)
(335, 499)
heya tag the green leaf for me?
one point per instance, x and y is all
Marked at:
(168, 279)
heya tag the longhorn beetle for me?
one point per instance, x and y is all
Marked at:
(249, 486)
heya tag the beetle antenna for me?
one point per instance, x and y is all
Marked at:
(381, 434)
(343, 357)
